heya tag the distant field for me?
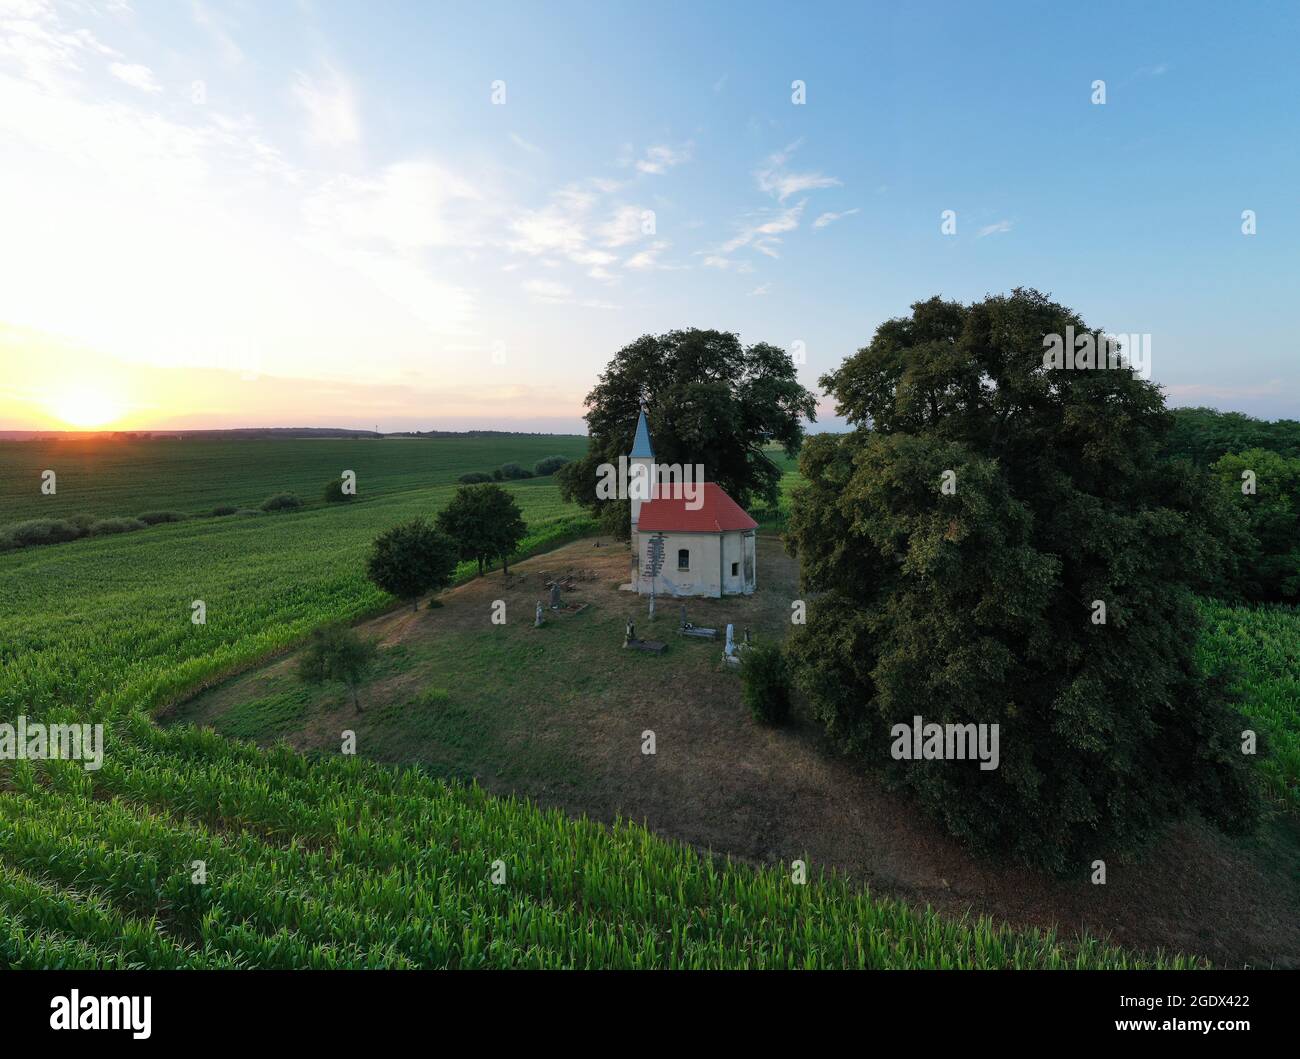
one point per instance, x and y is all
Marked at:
(107, 619)
(105, 477)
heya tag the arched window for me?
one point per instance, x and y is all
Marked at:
(683, 558)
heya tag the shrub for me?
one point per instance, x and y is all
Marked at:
(106, 526)
(224, 509)
(282, 502)
(474, 478)
(512, 472)
(153, 518)
(410, 559)
(39, 531)
(765, 683)
(496, 474)
(334, 493)
(549, 465)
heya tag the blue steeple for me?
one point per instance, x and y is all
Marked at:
(641, 443)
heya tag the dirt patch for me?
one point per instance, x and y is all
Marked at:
(558, 714)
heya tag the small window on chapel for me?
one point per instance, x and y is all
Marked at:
(735, 569)
(683, 559)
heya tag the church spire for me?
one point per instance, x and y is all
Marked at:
(641, 443)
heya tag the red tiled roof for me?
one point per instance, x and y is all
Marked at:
(670, 511)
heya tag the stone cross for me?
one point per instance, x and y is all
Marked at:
(730, 649)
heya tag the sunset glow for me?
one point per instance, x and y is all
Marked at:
(87, 407)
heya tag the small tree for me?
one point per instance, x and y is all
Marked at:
(765, 683)
(338, 653)
(549, 465)
(410, 559)
(485, 522)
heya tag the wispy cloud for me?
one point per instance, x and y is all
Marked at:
(760, 290)
(825, 220)
(524, 145)
(994, 229)
(662, 157)
(329, 103)
(135, 75)
(775, 178)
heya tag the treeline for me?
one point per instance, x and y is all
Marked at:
(1202, 435)
(1254, 467)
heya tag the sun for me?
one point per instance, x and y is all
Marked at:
(86, 407)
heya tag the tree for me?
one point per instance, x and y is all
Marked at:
(410, 559)
(708, 401)
(484, 522)
(548, 465)
(338, 653)
(1265, 488)
(998, 542)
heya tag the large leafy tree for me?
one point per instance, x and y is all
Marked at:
(708, 400)
(976, 603)
(485, 522)
(410, 559)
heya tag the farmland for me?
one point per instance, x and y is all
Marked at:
(325, 860)
(126, 477)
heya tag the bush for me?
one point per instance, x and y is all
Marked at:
(512, 472)
(496, 474)
(224, 509)
(549, 465)
(334, 493)
(765, 683)
(107, 526)
(39, 531)
(282, 502)
(153, 518)
(474, 478)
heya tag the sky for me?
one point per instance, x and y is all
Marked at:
(445, 215)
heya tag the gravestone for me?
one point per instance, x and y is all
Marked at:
(555, 597)
(537, 624)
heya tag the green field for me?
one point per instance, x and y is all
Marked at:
(333, 861)
(124, 477)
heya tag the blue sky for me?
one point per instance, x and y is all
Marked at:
(338, 226)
